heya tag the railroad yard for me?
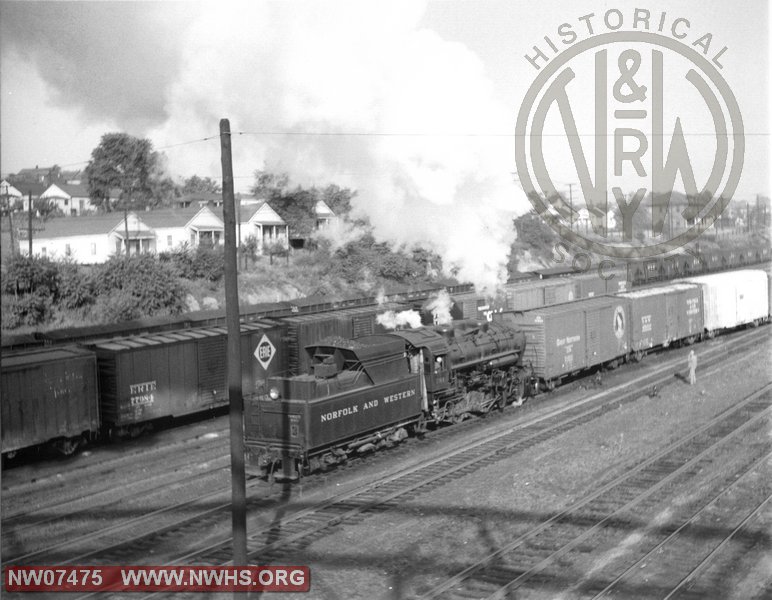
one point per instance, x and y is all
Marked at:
(634, 484)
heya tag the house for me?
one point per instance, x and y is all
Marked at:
(94, 238)
(324, 215)
(42, 175)
(264, 223)
(199, 199)
(33, 190)
(9, 195)
(194, 225)
(71, 199)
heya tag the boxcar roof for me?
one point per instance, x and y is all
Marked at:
(173, 337)
(663, 289)
(42, 355)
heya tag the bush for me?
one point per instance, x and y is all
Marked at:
(76, 289)
(26, 309)
(26, 275)
(141, 283)
(203, 262)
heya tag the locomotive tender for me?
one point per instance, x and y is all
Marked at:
(372, 391)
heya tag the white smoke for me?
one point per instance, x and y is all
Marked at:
(440, 306)
(357, 94)
(409, 319)
(339, 232)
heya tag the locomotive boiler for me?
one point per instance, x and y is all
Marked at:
(365, 393)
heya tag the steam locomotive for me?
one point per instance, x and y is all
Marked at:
(370, 392)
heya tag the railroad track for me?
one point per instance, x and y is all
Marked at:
(540, 556)
(68, 512)
(289, 535)
(66, 474)
(298, 529)
(724, 516)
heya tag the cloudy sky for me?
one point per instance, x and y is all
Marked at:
(411, 103)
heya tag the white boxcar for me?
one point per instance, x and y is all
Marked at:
(733, 298)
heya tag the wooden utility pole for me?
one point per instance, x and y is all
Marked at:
(29, 224)
(126, 229)
(238, 477)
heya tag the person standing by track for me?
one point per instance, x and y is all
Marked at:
(692, 363)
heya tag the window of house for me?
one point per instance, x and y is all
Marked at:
(93, 249)
(43, 250)
(67, 250)
(169, 241)
(66, 202)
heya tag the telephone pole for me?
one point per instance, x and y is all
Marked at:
(238, 476)
(29, 224)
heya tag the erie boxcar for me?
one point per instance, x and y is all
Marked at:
(153, 376)
(48, 395)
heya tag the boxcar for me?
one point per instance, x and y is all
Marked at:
(535, 294)
(733, 298)
(152, 376)
(48, 394)
(662, 315)
(567, 338)
(306, 330)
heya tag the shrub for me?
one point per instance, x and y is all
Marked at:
(141, 283)
(36, 274)
(203, 262)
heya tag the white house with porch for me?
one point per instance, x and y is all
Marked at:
(93, 239)
(264, 224)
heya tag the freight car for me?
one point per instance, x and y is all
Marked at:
(48, 395)
(154, 376)
(661, 316)
(733, 299)
(566, 339)
(372, 391)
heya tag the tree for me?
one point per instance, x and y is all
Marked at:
(267, 185)
(338, 199)
(127, 163)
(46, 208)
(197, 185)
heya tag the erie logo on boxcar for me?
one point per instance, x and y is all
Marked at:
(142, 393)
(265, 351)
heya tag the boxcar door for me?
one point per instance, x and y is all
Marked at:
(592, 335)
(672, 327)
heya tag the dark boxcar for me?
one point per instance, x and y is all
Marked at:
(177, 373)
(661, 315)
(305, 330)
(568, 338)
(48, 394)
(590, 286)
(356, 387)
(535, 294)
